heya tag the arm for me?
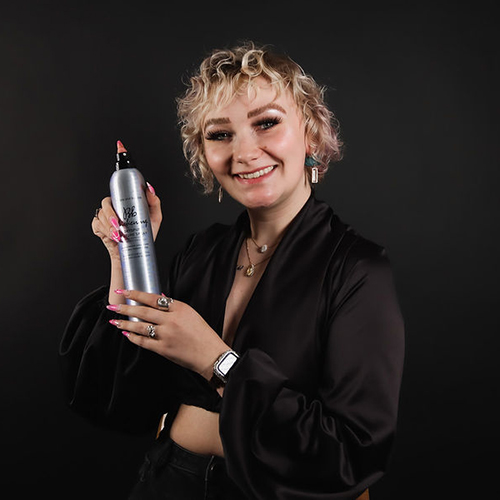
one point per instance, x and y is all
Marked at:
(104, 376)
(281, 444)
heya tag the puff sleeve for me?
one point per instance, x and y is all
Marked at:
(106, 378)
(280, 443)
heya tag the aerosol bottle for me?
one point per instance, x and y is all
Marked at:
(137, 250)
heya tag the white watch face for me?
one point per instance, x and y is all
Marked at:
(226, 364)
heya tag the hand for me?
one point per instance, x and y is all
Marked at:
(181, 334)
(106, 224)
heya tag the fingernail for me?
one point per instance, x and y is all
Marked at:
(151, 188)
(113, 307)
(115, 236)
(119, 291)
(126, 334)
(114, 223)
(114, 322)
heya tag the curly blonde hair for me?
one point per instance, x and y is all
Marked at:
(223, 73)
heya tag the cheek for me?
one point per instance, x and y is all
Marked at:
(216, 158)
(289, 142)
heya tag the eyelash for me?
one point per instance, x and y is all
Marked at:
(263, 124)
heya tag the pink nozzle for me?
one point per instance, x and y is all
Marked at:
(120, 148)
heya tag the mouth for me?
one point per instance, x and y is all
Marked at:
(257, 173)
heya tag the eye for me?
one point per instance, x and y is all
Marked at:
(217, 135)
(267, 123)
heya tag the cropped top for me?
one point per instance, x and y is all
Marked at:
(310, 409)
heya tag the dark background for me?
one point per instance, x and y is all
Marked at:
(416, 93)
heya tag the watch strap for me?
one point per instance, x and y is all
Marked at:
(221, 370)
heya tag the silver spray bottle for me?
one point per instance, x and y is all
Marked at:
(137, 250)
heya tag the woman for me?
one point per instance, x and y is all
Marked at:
(278, 361)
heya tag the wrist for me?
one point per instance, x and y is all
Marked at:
(222, 368)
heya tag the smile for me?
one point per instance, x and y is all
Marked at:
(258, 173)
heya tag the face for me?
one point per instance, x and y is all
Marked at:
(256, 146)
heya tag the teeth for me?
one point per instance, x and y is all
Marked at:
(259, 173)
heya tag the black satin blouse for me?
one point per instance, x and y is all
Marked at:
(310, 409)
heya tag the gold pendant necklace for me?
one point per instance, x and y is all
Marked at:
(250, 269)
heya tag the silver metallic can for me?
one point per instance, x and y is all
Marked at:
(137, 250)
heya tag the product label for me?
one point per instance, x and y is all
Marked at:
(134, 229)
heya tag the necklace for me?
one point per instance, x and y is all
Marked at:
(250, 269)
(261, 248)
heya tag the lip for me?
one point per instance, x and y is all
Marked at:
(253, 180)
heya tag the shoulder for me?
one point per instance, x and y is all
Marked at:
(344, 241)
(349, 250)
(209, 244)
(204, 240)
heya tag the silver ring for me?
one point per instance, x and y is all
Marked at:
(151, 331)
(97, 210)
(164, 302)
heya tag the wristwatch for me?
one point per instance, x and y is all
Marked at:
(222, 367)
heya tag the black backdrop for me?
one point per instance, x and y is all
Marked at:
(416, 93)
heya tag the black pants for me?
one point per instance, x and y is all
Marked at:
(171, 472)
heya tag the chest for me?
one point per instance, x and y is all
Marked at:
(280, 310)
(242, 289)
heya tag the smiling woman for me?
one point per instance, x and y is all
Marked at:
(225, 74)
(256, 147)
(277, 355)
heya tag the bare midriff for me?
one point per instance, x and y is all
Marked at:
(197, 430)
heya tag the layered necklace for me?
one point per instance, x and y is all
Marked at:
(249, 270)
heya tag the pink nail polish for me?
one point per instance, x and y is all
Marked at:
(126, 334)
(119, 291)
(115, 236)
(114, 322)
(113, 307)
(151, 188)
(114, 223)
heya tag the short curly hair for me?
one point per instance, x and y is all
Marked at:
(223, 73)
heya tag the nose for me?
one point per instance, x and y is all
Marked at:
(246, 148)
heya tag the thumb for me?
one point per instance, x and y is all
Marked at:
(154, 208)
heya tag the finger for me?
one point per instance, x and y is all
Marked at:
(104, 231)
(106, 224)
(148, 299)
(147, 314)
(108, 214)
(141, 340)
(155, 212)
(144, 329)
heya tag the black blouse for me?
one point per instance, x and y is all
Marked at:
(310, 409)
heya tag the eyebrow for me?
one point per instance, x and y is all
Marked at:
(271, 105)
(251, 114)
(217, 121)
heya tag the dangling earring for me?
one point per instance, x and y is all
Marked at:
(220, 194)
(312, 162)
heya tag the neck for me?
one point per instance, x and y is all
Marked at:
(269, 223)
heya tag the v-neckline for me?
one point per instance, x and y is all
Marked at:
(247, 297)
(242, 228)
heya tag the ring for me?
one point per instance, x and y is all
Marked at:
(164, 302)
(97, 210)
(151, 331)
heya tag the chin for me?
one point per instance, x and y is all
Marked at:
(259, 200)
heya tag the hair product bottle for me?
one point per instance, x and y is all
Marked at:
(137, 251)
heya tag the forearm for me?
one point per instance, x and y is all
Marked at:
(116, 282)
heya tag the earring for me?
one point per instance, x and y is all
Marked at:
(314, 175)
(312, 162)
(220, 194)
